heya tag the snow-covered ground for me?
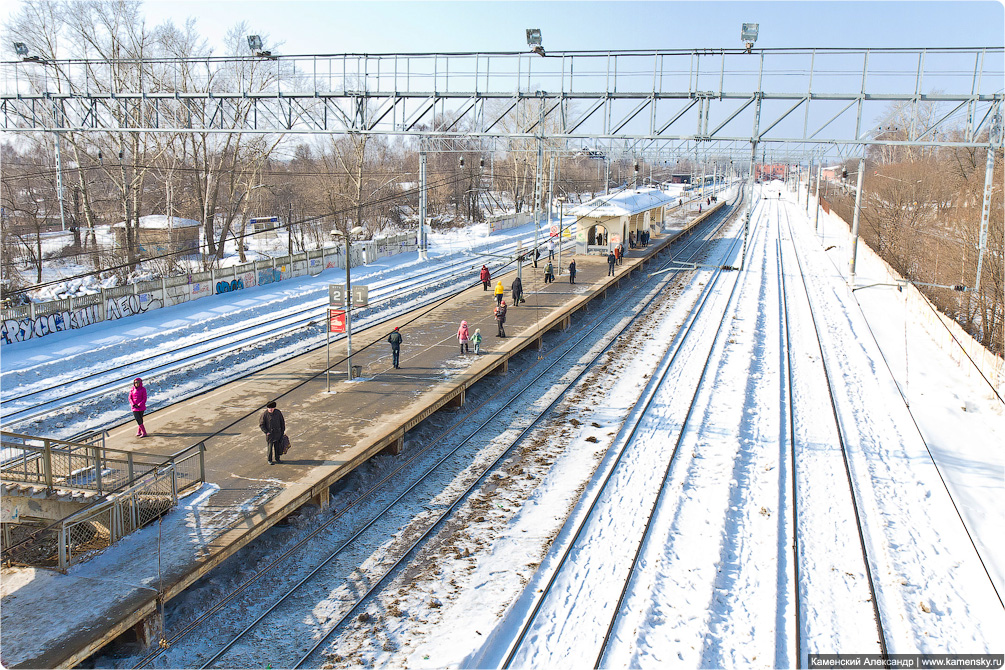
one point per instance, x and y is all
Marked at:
(459, 605)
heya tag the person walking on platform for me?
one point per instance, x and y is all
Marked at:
(610, 263)
(501, 318)
(549, 273)
(273, 425)
(462, 337)
(499, 291)
(551, 250)
(394, 339)
(537, 254)
(617, 254)
(572, 272)
(517, 291)
(486, 278)
(476, 340)
(138, 404)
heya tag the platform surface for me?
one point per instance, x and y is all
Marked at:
(332, 433)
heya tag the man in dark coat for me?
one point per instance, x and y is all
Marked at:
(273, 425)
(610, 263)
(517, 291)
(394, 339)
(572, 272)
(501, 318)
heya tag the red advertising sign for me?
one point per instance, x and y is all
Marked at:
(336, 320)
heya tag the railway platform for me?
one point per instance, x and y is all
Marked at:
(57, 620)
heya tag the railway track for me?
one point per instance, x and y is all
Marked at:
(546, 634)
(388, 299)
(813, 439)
(321, 577)
(545, 637)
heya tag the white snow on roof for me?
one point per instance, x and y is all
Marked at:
(625, 203)
(161, 221)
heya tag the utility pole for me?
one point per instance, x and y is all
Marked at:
(561, 217)
(289, 230)
(985, 209)
(809, 178)
(422, 205)
(750, 204)
(538, 188)
(816, 211)
(348, 308)
(551, 184)
(59, 183)
(854, 225)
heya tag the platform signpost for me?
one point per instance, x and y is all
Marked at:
(338, 317)
(336, 324)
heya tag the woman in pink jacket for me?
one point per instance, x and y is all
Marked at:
(138, 403)
(462, 337)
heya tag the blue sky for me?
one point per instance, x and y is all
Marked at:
(374, 27)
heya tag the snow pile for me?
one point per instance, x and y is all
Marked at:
(73, 288)
(140, 274)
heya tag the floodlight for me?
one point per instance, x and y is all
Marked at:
(21, 49)
(748, 35)
(534, 41)
(255, 42)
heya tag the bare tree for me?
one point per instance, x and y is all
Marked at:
(28, 194)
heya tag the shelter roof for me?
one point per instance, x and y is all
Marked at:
(623, 203)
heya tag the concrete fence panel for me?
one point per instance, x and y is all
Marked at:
(24, 322)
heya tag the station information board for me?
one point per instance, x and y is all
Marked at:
(336, 320)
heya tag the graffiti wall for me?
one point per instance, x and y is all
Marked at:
(20, 330)
(268, 276)
(128, 305)
(153, 294)
(228, 286)
(201, 289)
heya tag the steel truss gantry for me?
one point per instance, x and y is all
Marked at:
(648, 100)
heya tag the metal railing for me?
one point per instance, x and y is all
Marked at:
(86, 465)
(98, 526)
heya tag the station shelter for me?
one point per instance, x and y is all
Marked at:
(608, 220)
